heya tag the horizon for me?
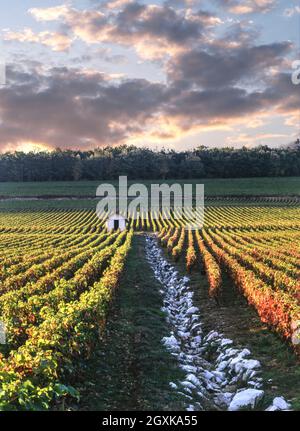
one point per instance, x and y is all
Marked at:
(155, 74)
(290, 146)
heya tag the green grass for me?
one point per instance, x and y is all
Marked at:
(213, 187)
(241, 188)
(46, 204)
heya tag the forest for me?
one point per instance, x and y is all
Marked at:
(109, 163)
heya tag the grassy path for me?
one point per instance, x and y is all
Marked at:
(131, 370)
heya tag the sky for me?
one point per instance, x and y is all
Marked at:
(162, 74)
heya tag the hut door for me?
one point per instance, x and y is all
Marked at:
(116, 224)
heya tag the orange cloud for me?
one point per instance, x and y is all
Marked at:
(249, 6)
(27, 147)
(56, 41)
(50, 13)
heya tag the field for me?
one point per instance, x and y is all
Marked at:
(280, 186)
(62, 276)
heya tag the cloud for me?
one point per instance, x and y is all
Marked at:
(154, 31)
(116, 4)
(289, 12)
(228, 108)
(65, 107)
(83, 109)
(247, 140)
(219, 68)
(50, 13)
(237, 34)
(283, 93)
(55, 40)
(217, 77)
(243, 7)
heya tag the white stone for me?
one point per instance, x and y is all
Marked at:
(251, 364)
(211, 335)
(193, 379)
(223, 399)
(190, 408)
(208, 375)
(192, 310)
(272, 409)
(222, 365)
(247, 398)
(188, 385)
(184, 335)
(281, 404)
(171, 342)
(226, 342)
(188, 368)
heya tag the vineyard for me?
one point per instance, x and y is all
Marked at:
(60, 271)
(58, 276)
(261, 257)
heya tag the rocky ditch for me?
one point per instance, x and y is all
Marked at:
(218, 376)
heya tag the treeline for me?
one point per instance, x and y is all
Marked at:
(141, 163)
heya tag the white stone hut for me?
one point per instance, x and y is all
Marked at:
(116, 222)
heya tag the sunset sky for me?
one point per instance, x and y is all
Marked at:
(174, 74)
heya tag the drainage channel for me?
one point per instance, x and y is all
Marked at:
(218, 376)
